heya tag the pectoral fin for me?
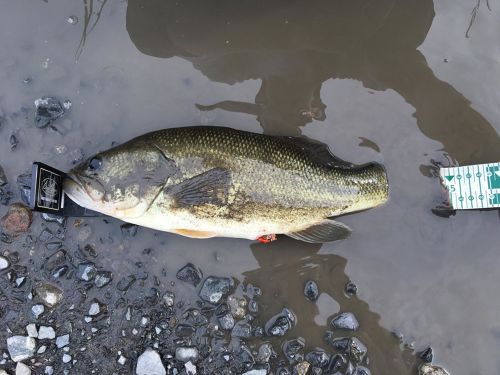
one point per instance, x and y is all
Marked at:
(209, 187)
(326, 231)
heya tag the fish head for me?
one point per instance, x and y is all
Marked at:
(122, 182)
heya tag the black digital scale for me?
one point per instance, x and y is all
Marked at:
(47, 194)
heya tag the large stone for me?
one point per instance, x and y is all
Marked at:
(17, 220)
(428, 369)
(149, 363)
(215, 288)
(49, 294)
(21, 347)
(22, 369)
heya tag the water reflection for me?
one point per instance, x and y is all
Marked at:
(293, 47)
(286, 265)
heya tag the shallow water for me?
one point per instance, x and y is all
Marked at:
(403, 83)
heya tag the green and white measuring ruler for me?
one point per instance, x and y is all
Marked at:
(473, 186)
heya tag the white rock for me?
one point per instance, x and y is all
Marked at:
(31, 330)
(21, 347)
(22, 369)
(42, 349)
(66, 358)
(190, 368)
(62, 341)
(4, 263)
(186, 354)
(49, 370)
(149, 363)
(256, 372)
(37, 310)
(122, 360)
(45, 332)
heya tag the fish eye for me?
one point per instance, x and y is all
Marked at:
(95, 164)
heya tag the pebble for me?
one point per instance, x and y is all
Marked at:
(83, 233)
(86, 271)
(102, 278)
(17, 220)
(256, 372)
(292, 348)
(215, 288)
(4, 263)
(37, 310)
(264, 353)
(190, 274)
(317, 358)
(21, 347)
(426, 355)
(428, 369)
(45, 332)
(66, 358)
(360, 370)
(3, 177)
(49, 294)
(190, 368)
(237, 306)
(346, 321)
(185, 354)
(47, 110)
(97, 308)
(149, 363)
(22, 369)
(226, 322)
(122, 360)
(42, 349)
(72, 20)
(311, 290)
(125, 283)
(357, 350)
(242, 329)
(351, 289)
(129, 230)
(169, 298)
(62, 341)
(49, 370)
(24, 185)
(31, 330)
(67, 104)
(14, 141)
(281, 323)
(301, 368)
(337, 362)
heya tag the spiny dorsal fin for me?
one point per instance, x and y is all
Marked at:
(210, 187)
(319, 151)
(326, 231)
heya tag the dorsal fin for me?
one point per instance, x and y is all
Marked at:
(319, 151)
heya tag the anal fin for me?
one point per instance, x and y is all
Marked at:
(195, 233)
(325, 231)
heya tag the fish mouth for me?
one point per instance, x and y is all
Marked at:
(75, 190)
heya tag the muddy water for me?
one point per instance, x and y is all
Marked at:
(407, 83)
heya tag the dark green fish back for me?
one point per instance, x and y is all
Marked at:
(271, 172)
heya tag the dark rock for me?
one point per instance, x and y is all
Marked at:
(184, 330)
(337, 363)
(55, 260)
(53, 245)
(360, 370)
(5, 195)
(45, 235)
(265, 353)
(340, 344)
(317, 358)
(292, 350)
(283, 371)
(17, 220)
(48, 109)
(242, 329)
(125, 283)
(253, 307)
(281, 323)
(60, 272)
(3, 177)
(226, 322)
(243, 360)
(13, 141)
(24, 185)
(426, 355)
(86, 271)
(351, 289)
(357, 350)
(215, 288)
(258, 331)
(129, 230)
(102, 278)
(190, 274)
(311, 290)
(346, 321)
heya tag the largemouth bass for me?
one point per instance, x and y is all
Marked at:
(206, 182)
